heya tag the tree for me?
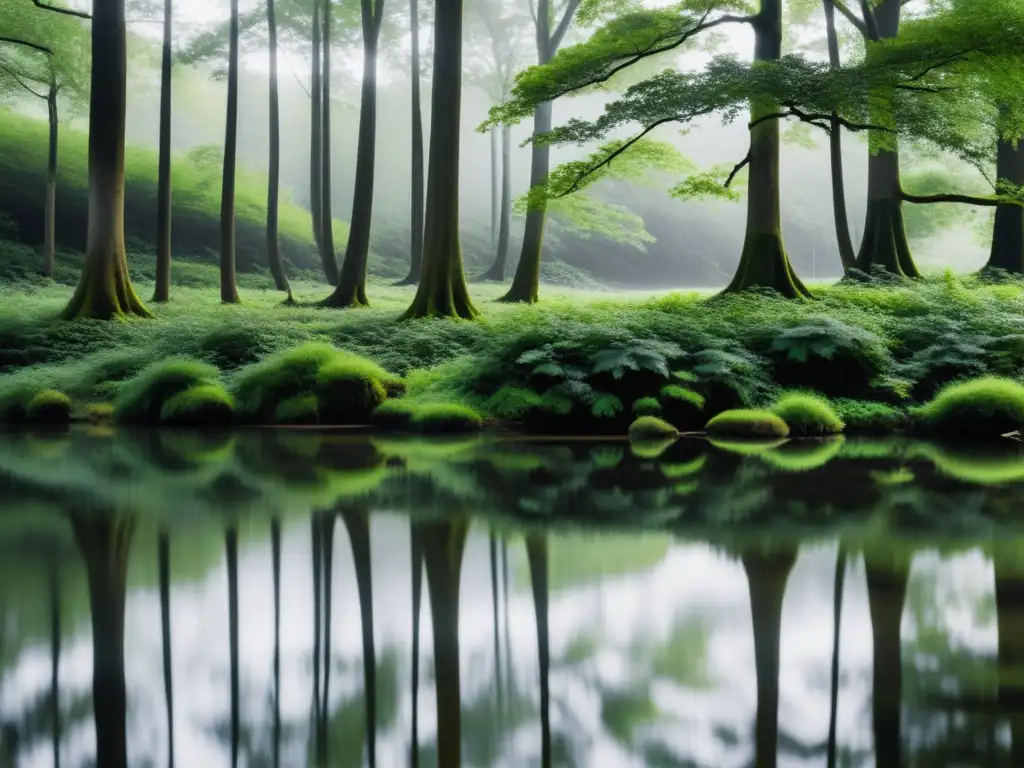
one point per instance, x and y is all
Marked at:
(835, 151)
(162, 289)
(274, 172)
(416, 175)
(351, 290)
(327, 254)
(228, 278)
(442, 289)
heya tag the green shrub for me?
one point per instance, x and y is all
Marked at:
(141, 399)
(513, 403)
(727, 377)
(301, 409)
(204, 405)
(347, 394)
(646, 406)
(49, 407)
(807, 414)
(867, 417)
(747, 423)
(393, 414)
(444, 418)
(986, 407)
(648, 428)
(682, 407)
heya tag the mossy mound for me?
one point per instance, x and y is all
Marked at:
(348, 394)
(870, 418)
(747, 423)
(204, 405)
(982, 408)
(301, 409)
(646, 406)
(49, 407)
(445, 419)
(393, 415)
(648, 428)
(141, 399)
(807, 415)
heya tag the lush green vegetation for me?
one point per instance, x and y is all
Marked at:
(986, 407)
(746, 422)
(807, 415)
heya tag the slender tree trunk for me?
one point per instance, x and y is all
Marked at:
(351, 290)
(416, 213)
(495, 602)
(105, 290)
(358, 526)
(317, 562)
(162, 289)
(442, 289)
(416, 557)
(274, 172)
(763, 261)
(326, 206)
(228, 279)
(327, 542)
(275, 554)
(55, 635)
(884, 242)
(837, 613)
(50, 207)
(1008, 232)
(164, 568)
(231, 550)
(497, 270)
(537, 554)
(835, 148)
(316, 185)
(495, 158)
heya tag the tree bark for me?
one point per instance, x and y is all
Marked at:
(835, 147)
(326, 207)
(497, 270)
(351, 290)
(274, 171)
(416, 213)
(763, 261)
(495, 158)
(105, 290)
(162, 289)
(50, 206)
(316, 146)
(442, 290)
(228, 278)
(1008, 231)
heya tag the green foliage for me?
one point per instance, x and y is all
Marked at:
(99, 413)
(513, 403)
(982, 408)
(49, 407)
(444, 418)
(651, 428)
(394, 414)
(683, 407)
(347, 393)
(646, 406)
(301, 409)
(142, 398)
(728, 377)
(747, 423)
(807, 414)
(866, 417)
(203, 405)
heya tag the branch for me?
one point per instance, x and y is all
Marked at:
(27, 44)
(18, 79)
(563, 25)
(736, 169)
(298, 80)
(870, 25)
(991, 202)
(65, 11)
(850, 16)
(815, 118)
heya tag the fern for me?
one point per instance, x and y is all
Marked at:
(635, 355)
(605, 405)
(513, 402)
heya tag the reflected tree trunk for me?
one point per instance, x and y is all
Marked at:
(358, 525)
(317, 645)
(495, 601)
(887, 580)
(55, 631)
(837, 611)
(105, 543)
(509, 679)
(1009, 578)
(416, 557)
(164, 567)
(275, 554)
(231, 551)
(537, 554)
(767, 575)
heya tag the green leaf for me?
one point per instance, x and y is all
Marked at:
(605, 405)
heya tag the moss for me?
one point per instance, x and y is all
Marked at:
(49, 407)
(651, 428)
(867, 417)
(747, 423)
(348, 394)
(803, 455)
(204, 405)
(445, 418)
(301, 409)
(393, 414)
(650, 448)
(647, 406)
(683, 407)
(991, 467)
(987, 407)
(807, 415)
(748, 447)
(99, 413)
(141, 399)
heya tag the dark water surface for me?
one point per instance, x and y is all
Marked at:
(583, 603)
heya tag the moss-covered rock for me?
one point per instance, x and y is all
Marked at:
(445, 418)
(982, 408)
(648, 428)
(49, 407)
(646, 406)
(807, 415)
(348, 394)
(141, 399)
(747, 423)
(301, 409)
(393, 415)
(204, 405)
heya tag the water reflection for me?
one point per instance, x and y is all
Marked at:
(189, 596)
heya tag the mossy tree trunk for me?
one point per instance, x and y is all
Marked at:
(763, 261)
(1008, 231)
(104, 289)
(416, 186)
(358, 525)
(416, 562)
(497, 270)
(105, 542)
(228, 278)
(162, 289)
(884, 242)
(537, 554)
(442, 289)
(50, 205)
(164, 568)
(835, 147)
(351, 290)
(326, 206)
(274, 158)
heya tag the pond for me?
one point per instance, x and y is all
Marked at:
(251, 599)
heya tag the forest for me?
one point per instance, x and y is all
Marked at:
(312, 271)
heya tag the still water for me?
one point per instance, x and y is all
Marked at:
(250, 599)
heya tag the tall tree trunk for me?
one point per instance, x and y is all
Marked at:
(358, 525)
(105, 289)
(835, 147)
(164, 568)
(326, 206)
(884, 242)
(537, 554)
(442, 289)
(316, 145)
(162, 289)
(50, 207)
(763, 261)
(274, 172)
(351, 290)
(416, 212)
(228, 279)
(1008, 232)
(416, 558)
(105, 542)
(275, 554)
(231, 551)
(497, 270)
(495, 159)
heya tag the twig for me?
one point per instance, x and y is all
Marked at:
(18, 79)
(34, 46)
(736, 169)
(287, 61)
(991, 202)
